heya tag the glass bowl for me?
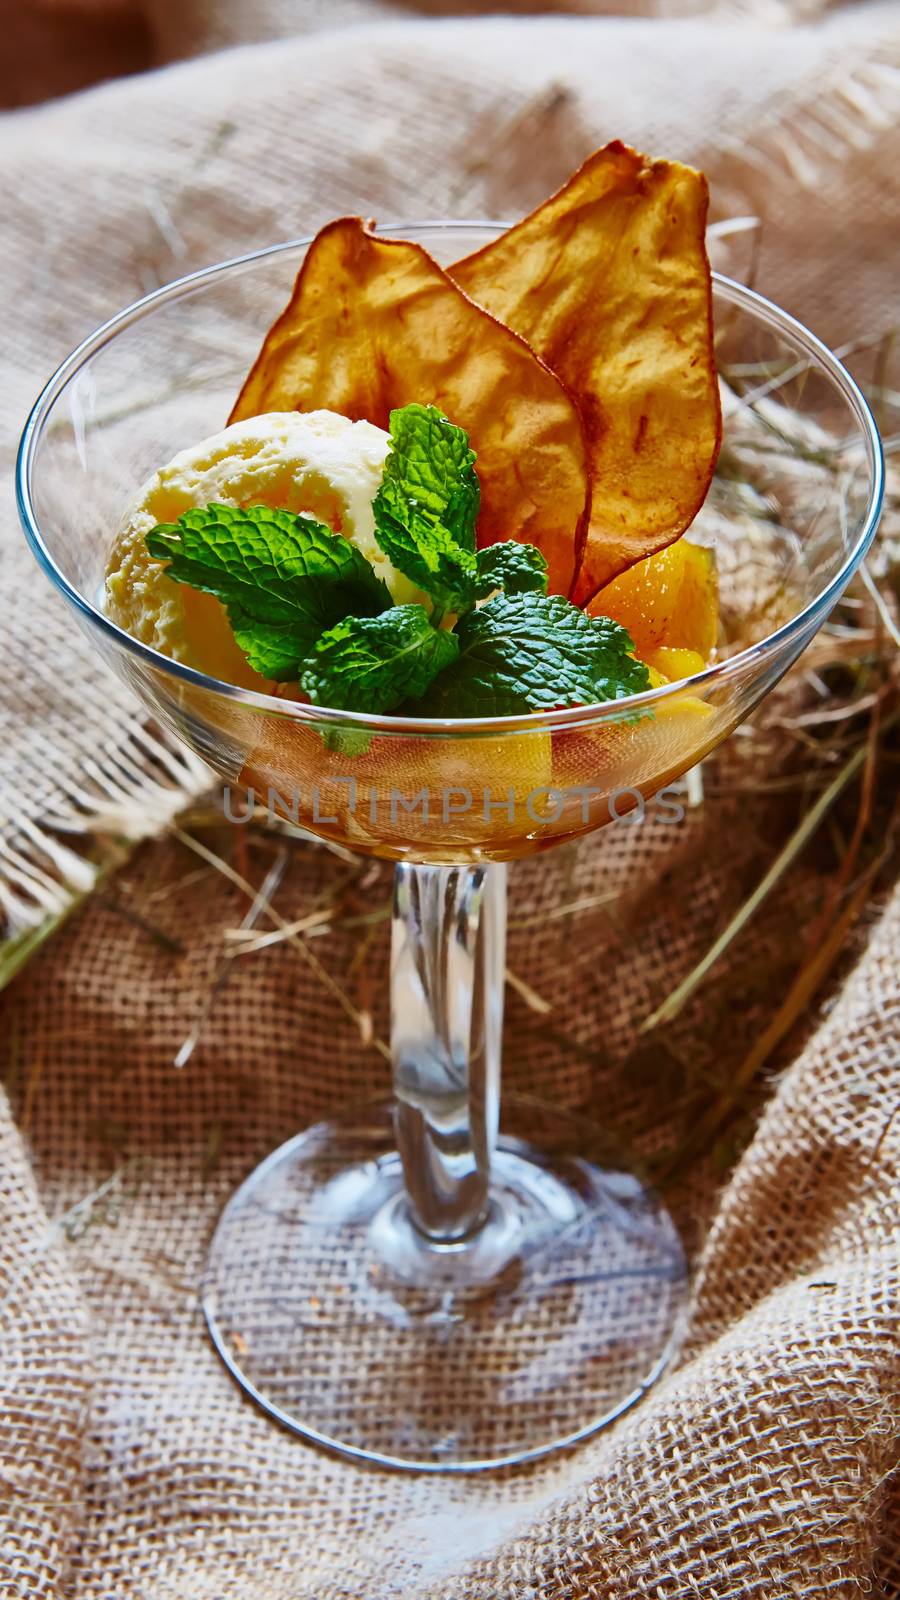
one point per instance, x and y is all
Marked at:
(409, 1286)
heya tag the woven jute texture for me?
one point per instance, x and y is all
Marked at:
(130, 1466)
(133, 1466)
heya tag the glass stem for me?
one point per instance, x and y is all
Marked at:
(448, 960)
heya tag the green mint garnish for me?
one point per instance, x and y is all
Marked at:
(283, 579)
(514, 568)
(305, 604)
(532, 652)
(345, 741)
(373, 663)
(426, 507)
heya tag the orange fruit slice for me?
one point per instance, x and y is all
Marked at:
(673, 663)
(668, 601)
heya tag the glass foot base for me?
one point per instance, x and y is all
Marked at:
(348, 1326)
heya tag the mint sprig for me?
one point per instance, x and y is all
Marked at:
(514, 568)
(283, 579)
(305, 604)
(533, 652)
(374, 663)
(427, 505)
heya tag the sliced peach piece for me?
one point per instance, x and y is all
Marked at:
(696, 624)
(670, 600)
(673, 663)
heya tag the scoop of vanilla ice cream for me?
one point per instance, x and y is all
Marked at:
(314, 462)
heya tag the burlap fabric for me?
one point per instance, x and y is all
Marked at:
(130, 1464)
(133, 1466)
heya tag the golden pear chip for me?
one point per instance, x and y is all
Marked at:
(375, 323)
(609, 282)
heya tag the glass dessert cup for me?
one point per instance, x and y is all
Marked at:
(412, 1287)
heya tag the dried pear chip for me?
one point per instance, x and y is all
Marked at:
(610, 283)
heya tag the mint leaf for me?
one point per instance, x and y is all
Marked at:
(514, 568)
(532, 652)
(344, 741)
(282, 578)
(426, 507)
(372, 663)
